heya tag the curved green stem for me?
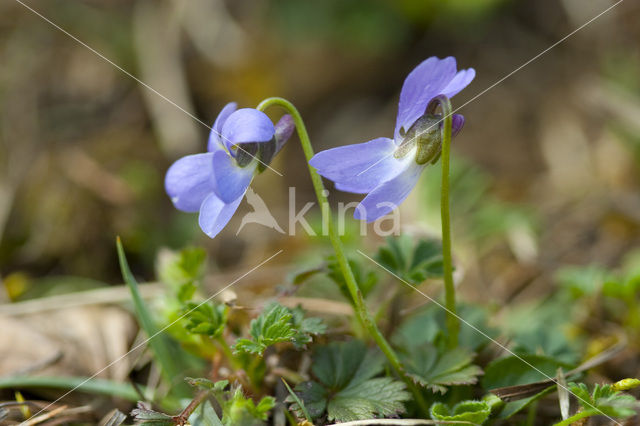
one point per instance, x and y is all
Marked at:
(579, 415)
(453, 322)
(358, 301)
(226, 351)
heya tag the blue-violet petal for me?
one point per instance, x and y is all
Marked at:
(388, 196)
(214, 214)
(246, 125)
(215, 138)
(232, 181)
(359, 168)
(190, 180)
(425, 82)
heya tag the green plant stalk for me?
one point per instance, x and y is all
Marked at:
(226, 350)
(579, 415)
(453, 322)
(358, 300)
(531, 414)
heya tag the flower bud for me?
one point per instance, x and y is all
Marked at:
(626, 384)
(283, 131)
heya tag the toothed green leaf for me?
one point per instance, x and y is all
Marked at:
(605, 400)
(206, 318)
(346, 388)
(381, 397)
(413, 262)
(279, 324)
(436, 368)
(475, 412)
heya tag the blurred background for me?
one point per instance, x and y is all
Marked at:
(546, 169)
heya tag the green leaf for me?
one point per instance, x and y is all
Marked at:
(346, 388)
(279, 324)
(300, 407)
(540, 328)
(314, 397)
(240, 410)
(375, 397)
(183, 270)
(207, 384)
(412, 262)
(169, 356)
(205, 415)
(300, 277)
(436, 368)
(511, 371)
(272, 326)
(582, 281)
(144, 415)
(305, 327)
(476, 412)
(206, 318)
(366, 279)
(340, 364)
(427, 325)
(605, 400)
(526, 368)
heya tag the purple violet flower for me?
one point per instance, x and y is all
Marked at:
(388, 169)
(241, 144)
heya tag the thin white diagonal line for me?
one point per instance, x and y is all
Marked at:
(76, 39)
(503, 347)
(511, 73)
(161, 330)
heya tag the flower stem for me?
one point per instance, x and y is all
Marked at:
(582, 414)
(358, 301)
(453, 322)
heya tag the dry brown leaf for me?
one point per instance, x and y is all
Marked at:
(75, 341)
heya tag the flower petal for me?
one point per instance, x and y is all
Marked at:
(426, 81)
(459, 82)
(457, 122)
(359, 167)
(214, 214)
(190, 180)
(232, 181)
(247, 125)
(215, 139)
(389, 195)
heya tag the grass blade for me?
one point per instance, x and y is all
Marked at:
(298, 401)
(171, 358)
(94, 386)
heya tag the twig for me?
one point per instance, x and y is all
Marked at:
(182, 418)
(46, 416)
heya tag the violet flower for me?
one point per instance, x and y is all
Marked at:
(241, 144)
(388, 169)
